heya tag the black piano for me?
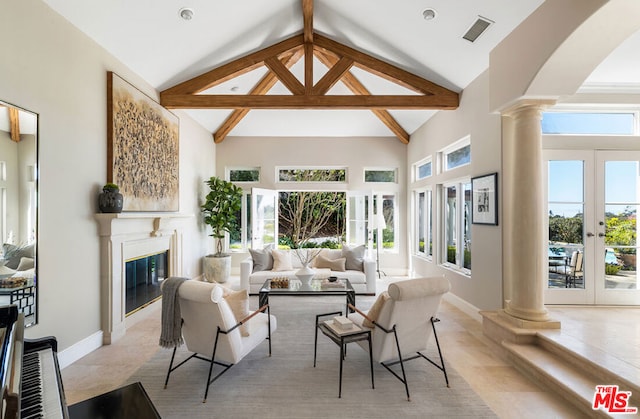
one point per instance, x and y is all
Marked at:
(29, 372)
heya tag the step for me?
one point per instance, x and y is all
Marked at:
(572, 380)
(603, 365)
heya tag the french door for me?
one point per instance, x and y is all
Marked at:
(359, 214)
(592, 204)
(264, 219)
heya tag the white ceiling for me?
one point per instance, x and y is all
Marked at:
(152, 40)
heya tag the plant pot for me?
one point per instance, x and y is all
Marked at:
(110, 201)
(216, 268)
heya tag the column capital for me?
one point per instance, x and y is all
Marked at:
(527, 105)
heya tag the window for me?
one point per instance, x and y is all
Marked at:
(596, 123)
(388, 175)
(384, 224)
(422, 170)
(244, 175)
(312, 175)
(240, 236)
(457, 155)
(457, 226)
(424, 216)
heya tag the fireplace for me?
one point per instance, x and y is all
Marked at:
(127, 237)
(143, 276)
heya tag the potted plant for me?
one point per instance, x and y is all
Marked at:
(222, 204)
(110, 199)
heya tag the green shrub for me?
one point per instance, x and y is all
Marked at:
(611, 269)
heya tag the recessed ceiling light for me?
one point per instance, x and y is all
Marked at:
(186, 13)
(429, 14)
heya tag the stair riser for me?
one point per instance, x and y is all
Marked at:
(546, 381)
(603, 375)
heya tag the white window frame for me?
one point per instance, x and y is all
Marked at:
(380, 169)
(345, 168)
(379, 198)
(428, 230)
(228, 171)
(445, 152)
(599, 110)
(416, 169)
(460, 223)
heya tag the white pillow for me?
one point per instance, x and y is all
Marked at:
(281, 260)
(217, 294)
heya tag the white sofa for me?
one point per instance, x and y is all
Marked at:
(253, 276)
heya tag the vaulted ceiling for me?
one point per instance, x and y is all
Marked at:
(301, 67)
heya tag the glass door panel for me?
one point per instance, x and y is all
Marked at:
(359, 212)
(264, 223)
(566, 222)
(617, 243)
(570, 245)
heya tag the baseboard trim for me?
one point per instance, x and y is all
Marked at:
(79, 349)
(464, 306)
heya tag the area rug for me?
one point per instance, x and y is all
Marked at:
(286, 385)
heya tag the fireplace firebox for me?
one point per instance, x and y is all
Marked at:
(143, 276)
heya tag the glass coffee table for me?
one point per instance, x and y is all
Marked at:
(315, 287)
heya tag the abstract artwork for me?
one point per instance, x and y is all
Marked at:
(143, 148)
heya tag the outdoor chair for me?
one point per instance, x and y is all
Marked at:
(574, 271)
(212, 332)
(402, 321)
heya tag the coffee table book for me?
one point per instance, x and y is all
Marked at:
(342, 332)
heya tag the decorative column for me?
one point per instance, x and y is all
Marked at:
(524, 258)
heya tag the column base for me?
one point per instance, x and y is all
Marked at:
(526, 314)
(521, 323)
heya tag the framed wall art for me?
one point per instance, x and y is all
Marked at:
(143, 148)
(485, 199)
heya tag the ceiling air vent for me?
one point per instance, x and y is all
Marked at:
(477, 29)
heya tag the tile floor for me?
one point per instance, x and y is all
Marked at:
(500, 385)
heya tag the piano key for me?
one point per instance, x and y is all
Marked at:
(47, 398)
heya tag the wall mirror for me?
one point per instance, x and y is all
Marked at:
(19, 209)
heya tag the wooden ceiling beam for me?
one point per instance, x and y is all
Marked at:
(233, 69)
(308, 102)
(285, 76)
(14, 124)
(353, 84)
(261, 88)
(307, 18)
(335, 73)
(383, 69)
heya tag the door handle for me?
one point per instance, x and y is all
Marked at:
(600, 234)
(590, 234)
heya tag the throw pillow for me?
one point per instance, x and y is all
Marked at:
(354, 256)
(25, 263)
(337, 265)
(281, 260)
(262, 259)
(239, 303)
(375, 309)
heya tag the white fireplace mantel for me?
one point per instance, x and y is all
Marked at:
(126, 236)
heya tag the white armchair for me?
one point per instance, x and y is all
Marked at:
(402, 322)
(211, 331)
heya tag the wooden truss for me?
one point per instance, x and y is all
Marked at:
(279, 58)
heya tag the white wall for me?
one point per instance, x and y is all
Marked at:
(483, 289)
(356, 153)
(51, 68)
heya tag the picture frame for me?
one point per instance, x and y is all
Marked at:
(484, 200)
(142, 149)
